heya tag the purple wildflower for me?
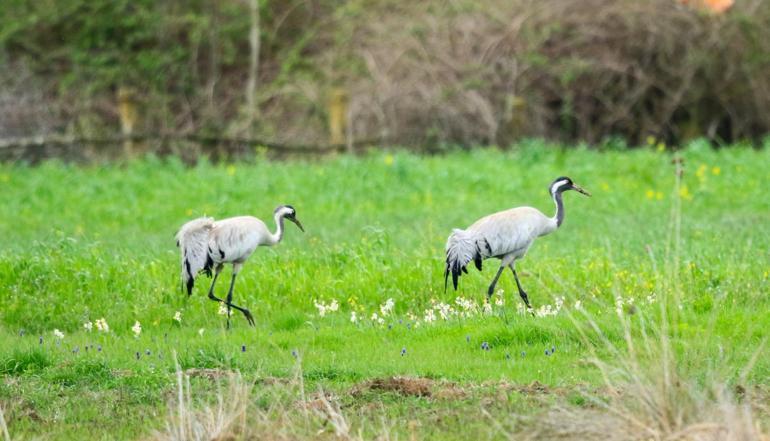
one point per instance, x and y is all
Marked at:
(468, 338)
(523, 353)
(147, 352)
(403, 351)
(99, 348)
(41, 339)
(294, 353)
(243, 348)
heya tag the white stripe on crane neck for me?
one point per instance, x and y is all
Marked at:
(557, 184)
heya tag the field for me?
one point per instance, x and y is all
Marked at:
(655, 285)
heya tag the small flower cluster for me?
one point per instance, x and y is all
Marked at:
(101, 325)
(546, 310)
(136, 329)
(223, 310)
(323, 308)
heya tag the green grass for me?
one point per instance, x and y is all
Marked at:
(85, 242)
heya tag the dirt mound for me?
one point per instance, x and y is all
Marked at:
(410, 387)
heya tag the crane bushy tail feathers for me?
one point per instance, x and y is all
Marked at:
(461, 248)
(192, 240)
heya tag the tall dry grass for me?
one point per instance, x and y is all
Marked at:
(4, 426)
(245, 410)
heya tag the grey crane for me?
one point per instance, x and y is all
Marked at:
(205, 244)
(506, 235)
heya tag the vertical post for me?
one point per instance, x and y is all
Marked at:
(338, 114)
(251, 85)
(128, 117)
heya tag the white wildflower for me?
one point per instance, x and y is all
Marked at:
(353, 317)
(468, 308)
(430, 316)
(619, 305)
(102, 326)
(444, 311)
(137, 329)
(58, 334)
(223, 310)
(88, 326)
(178, 316)
(387, 307)
(487, 308)
(200, 331)
(321, 308)
(578, 305)
(500, 301)
(376, 318)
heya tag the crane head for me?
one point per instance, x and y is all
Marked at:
(564, 183)
(288, 212)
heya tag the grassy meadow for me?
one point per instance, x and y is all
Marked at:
(653, 274)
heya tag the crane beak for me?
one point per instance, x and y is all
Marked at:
(580, 190)
(296, 221)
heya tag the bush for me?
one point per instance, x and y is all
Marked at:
(416, 73)
(566, 70)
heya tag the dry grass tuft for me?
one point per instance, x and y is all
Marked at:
(239, 412)
(4, 426)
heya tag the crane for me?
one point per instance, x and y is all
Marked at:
(506, 235)
(205, 244)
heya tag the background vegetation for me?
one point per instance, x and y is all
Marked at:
(413, 73)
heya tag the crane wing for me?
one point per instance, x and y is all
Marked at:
(508, 232)
(192, 240)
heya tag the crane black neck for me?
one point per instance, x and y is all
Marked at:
(559, 206)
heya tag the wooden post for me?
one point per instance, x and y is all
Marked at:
(129, 114)
(338, 116)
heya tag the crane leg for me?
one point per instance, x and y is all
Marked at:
(491, 289)
(217, 270)
(522, 293)
(228, 302)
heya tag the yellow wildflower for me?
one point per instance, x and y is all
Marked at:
(684, 193)
(716, 170)
(650, 194)
(389, 159)
(650, 140)
(231, 170)
(701, 172)
(659, 195)
(661, 147)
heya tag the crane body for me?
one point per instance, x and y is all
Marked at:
(207, 244)
(505, 235)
